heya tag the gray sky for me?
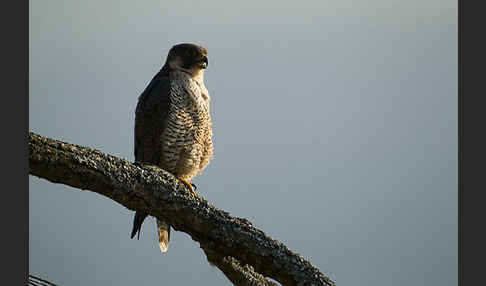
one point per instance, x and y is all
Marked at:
(335, 132)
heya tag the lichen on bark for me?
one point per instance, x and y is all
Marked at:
(245, 254)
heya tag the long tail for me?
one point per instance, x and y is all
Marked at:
(163, 230)
(137, 223)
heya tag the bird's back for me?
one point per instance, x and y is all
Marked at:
(151, 119)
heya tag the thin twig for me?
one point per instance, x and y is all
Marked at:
(40, 280)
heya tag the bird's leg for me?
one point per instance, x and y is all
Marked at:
(189, 186)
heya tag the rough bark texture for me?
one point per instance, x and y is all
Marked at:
(246, 255)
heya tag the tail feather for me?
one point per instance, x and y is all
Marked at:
(137, 224)
(163, 230)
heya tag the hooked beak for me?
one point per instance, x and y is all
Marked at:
(204, 63)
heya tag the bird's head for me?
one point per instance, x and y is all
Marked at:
(189, 58)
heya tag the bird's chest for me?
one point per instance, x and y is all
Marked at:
(186, 140)
(189, 108)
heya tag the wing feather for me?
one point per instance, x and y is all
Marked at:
(151, 119)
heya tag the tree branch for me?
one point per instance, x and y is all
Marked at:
(245, 254)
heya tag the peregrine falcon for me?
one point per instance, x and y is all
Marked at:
(173, 124)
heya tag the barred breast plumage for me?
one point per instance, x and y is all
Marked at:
(186, 141)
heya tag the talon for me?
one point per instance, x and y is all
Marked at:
(188, 185)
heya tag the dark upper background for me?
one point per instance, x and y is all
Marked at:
(335, 131)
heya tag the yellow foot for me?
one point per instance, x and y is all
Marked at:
(188, 185)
